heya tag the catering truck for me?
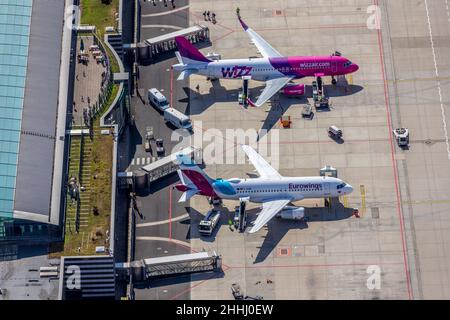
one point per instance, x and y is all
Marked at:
(207, 225)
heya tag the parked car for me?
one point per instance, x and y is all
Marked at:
(160, 146)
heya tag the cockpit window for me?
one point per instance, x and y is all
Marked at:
(340, 186)
(348, 64)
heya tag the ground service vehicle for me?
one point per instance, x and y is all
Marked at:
(335, 132)
(157, 99)
(177, 119)
(208, 224)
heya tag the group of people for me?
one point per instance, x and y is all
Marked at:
(210, 16)
(172, 2)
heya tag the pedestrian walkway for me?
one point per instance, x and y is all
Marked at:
(88, 80)
(140, 161)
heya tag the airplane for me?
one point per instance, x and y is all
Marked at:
(274, 191)
(273, 68)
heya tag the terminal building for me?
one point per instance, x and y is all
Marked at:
(35, 51)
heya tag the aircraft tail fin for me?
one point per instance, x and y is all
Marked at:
(194, 178)
(187, 53)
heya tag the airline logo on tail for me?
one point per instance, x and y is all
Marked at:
(193, 180)
(189, 52)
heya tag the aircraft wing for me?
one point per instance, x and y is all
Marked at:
(272, 87)
(269, 210)
(264, 169)
(266, 50)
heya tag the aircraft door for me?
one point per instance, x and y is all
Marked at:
(326, 189)
(334, 66)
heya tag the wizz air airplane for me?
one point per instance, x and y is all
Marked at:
(271, 189)
(273, 68)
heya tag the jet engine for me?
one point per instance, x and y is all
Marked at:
(294, 89)
(292, 213)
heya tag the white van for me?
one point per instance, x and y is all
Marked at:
(157, 99)
(178, 119)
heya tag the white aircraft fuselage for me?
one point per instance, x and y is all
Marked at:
(296, 188)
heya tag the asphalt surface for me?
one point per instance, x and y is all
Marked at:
(160, 202)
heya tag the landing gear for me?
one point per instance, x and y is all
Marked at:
(215, 201)
(333, 81)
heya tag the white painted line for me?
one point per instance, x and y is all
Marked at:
(183, 243)
(448, 10)
(132, 162)
(444, 122)
(165, 12)
(138, 161)
(148, 160)
(157, 223)
(166, 26)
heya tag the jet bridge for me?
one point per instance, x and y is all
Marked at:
(143, 178)
(173, 265)
(150, 49)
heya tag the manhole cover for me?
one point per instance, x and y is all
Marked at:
(285, 252)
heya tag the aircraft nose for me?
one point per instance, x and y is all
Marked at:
(355, 67)
(348, 189)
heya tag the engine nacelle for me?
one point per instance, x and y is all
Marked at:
(294, 90)
(292, 213)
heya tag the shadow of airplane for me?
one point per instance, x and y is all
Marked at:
(277, 228)
(217, 93)
(178, 279)
(280, 103)
(157, 185)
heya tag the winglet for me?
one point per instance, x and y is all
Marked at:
(251, 103)
(243, 23)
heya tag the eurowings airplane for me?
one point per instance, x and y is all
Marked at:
(273, 68)
(271, 189)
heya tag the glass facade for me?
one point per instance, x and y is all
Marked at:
(15, 19)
